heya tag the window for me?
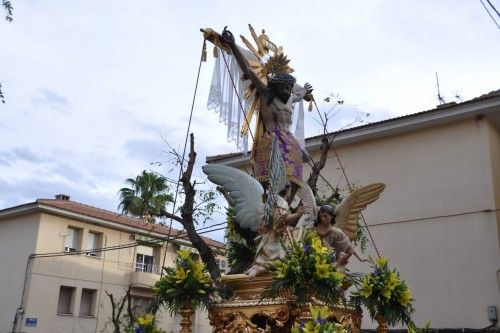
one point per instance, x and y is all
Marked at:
(222, 264)
(72, 240)
(66, 295)
(139, 304)
(87, 302)
(94, 242)
(144, 259)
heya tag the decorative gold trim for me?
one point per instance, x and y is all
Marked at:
(236, 315)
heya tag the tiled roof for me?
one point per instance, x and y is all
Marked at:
(491, 94)
(94, 212)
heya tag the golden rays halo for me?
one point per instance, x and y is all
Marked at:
(269, 61)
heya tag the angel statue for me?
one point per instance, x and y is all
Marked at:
(337, 228)
(247, 196)
(267, 214)
(270, 95)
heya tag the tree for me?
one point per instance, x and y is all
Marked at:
(7, 6)
(118, 318)
(146, 196)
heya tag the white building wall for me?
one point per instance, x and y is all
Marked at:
(450, 262)
(112, 272)
(17, 242)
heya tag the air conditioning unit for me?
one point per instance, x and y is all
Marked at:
(69, 249)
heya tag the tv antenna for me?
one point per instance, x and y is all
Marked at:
(440, 98)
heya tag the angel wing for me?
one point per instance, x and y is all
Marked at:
(306, 197)
(277, 180)
(244, 190)
(349, 210)
(277, 167)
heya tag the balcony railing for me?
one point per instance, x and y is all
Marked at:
(148, 268)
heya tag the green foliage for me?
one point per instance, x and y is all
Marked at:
(2, 96)
(385, 294)
(146, 196)
(319, 323)
(425, 329)
(7, 6)
(237, 251)
(307, 271)
(187, 285)
(203, 211)
(239, 247)
(231, 223)
(147, 324)
(361, 238)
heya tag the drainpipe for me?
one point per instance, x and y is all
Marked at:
(20, 310)
(100, 284)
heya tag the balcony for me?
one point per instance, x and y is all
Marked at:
(144, 275)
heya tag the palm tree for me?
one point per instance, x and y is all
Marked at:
(146, 196)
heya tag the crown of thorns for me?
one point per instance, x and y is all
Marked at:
(279, 79)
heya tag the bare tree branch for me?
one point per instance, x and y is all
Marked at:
(187, 221)
(117, 309)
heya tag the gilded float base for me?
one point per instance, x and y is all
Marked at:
(248, 313)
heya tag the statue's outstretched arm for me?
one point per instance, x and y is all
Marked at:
(300, 93)
(228, 39)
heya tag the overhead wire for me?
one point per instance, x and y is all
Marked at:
(332, 146)
(491, 5)
(309, 160)
(238, 96)
(491, 16)
(119, 247)
(181, 169)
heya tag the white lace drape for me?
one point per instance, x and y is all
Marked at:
(225, 99)
(299, 123)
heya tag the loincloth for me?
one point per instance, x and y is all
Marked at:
(290, 150)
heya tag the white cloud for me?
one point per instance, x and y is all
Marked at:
(92, 87)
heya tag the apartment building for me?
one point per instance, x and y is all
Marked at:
(438, 220)
(61, 258)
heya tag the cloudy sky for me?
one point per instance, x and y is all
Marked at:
(93, 89)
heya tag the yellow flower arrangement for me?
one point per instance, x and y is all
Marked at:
(185, 285)
(146, 319)
(307, 271)
(405, 297)
(319, 323)
(366, 286)
(146, 324)
(322, 268)
(180, 274)
(385, 294)
(317, 245)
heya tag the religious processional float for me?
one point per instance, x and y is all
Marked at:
(288, 255)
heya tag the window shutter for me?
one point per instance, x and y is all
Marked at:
(86, 302)
(91, 241)
(70, 237)
(97, 241)
(65, 295)
(147, 250)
